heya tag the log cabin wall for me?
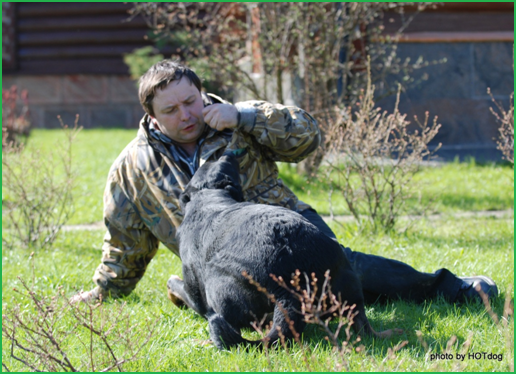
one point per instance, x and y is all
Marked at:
(69, 56)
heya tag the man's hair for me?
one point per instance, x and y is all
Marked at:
(159, 76)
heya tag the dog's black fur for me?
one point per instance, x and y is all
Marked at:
(221, 237)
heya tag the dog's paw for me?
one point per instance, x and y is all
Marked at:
(174, 278)
(389, 333)
(173, 296)
(176, 300)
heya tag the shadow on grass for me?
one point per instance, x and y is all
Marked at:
(421, 324)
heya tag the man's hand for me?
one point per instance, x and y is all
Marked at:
(221, 116)
(85, 297)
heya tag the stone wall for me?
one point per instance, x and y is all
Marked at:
(456, 91)
(100, 100)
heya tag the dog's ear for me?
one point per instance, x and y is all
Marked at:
(200, 178)
(228, 165)
(184, 199)
(235, 192)
(225, 175)
(230, 183)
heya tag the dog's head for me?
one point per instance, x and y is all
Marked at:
(222, 174)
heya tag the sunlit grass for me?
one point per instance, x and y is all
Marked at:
(465, 246)
(446, 188)
(470, 246)
(452, 187)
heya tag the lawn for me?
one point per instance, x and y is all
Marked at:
(466, 246)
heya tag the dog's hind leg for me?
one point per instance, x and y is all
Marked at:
(225, 336)
(287, 322)
(178, 295)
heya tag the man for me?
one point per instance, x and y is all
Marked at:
(183, 128)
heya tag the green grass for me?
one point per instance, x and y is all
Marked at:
(93, 153)
(454, 187)
(448, 188)
(455, 245)
(466, 246)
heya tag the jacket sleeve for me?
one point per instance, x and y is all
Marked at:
(288, 133)
(128, 246)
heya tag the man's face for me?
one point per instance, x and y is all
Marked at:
(178, 110)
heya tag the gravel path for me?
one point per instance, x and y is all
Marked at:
(499, 214)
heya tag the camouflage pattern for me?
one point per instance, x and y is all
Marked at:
(141, 206)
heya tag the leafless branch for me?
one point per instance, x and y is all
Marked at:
(43, 335)
(374, 156)
(38, 191)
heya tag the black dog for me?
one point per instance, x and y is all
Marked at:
(222, 237)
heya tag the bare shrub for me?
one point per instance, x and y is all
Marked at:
(321, 308)
(334, 317)
(15, 119)
(505, 119)
(48, 333)
(37, 191)
(140, 60)
(374, 157)
(261, 49)
(502, 324)
(317, 308)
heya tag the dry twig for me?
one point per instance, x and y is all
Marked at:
(374, 157)
(51, 334)
(37, 191)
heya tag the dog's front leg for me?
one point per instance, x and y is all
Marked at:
(178, 295)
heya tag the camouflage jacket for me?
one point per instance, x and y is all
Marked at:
(141, 206)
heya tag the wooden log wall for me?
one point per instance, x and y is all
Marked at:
(91, 38)
(490, 18)
(8, 37)
(75, 38)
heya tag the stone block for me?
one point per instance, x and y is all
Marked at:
(456, 93)
(481, 152)
(85, 89)
(68, 115)
(8, 82)
(452, 79)
(493, 67)
(42, 90)
(464, 121)
(138, 113)
(109, 117)
(37, 116)
(122, 89)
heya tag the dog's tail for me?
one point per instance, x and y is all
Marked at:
(224, 336)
